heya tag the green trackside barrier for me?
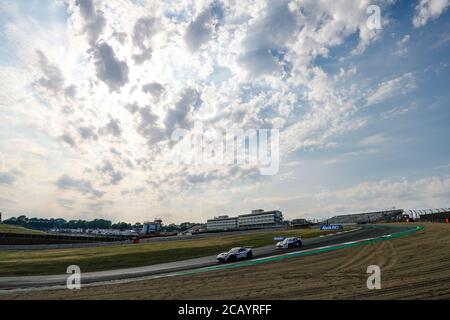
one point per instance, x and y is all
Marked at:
(300, 253)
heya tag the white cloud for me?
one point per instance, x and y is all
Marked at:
(200, 30)
(332, 112)
(428, 10)
(94, 21)
(428, 192)
(401, 48)
(375, 139)
(144, 30)
(391, 88)
(398, 111)
(66, 182)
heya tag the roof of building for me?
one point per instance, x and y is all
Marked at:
(259, 213)
(221, 219)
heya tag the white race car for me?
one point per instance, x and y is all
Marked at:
(287, 243)
(235, 254)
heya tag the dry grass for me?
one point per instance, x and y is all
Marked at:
(413, 267)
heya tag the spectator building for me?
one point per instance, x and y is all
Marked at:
(257, 219)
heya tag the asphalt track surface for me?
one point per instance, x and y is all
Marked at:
(28, 282)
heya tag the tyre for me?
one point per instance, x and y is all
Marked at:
(231, 259)
(249, 255)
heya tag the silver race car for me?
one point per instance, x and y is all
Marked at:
(235, 254)
(288, 243)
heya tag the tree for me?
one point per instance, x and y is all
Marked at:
(121, 226)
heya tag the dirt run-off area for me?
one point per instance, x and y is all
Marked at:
(416, 266)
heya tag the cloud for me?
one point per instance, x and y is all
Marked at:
(7, 178)
(67, 138)
(70, 91)
(135, 191)
(260, 61)
(132, 107)
(266, 40)
(65, 203)
(53, 78)
(203, 177)
(143, 32)
(391, 88)
(180, 115)
(154, 88)
(375, 139)
(113, 128)
(329, 112)
(65, 182)
(428, 10)
(346, 156)
(427, 192)
(397, 111)
(98, 206)
(200, 30)
(400, 47)
(109, 69)
(108, 169)
(148, 127)
(6, 201)
(94, 20)
(87, 133)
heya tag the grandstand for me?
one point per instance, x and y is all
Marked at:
(436, 215)
(367, 217)
(433, 215)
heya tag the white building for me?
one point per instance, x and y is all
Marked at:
(258, 219)
(222, 223)
(151, 227)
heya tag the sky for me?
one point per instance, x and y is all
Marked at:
(92, 91)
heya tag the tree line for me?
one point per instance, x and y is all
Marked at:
(59, 223)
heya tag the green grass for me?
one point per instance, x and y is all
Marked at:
(39, 262)
(9, 228)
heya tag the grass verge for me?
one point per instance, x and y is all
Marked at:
(9, 228)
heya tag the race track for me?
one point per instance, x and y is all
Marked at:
(28, 282)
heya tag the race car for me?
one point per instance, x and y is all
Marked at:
(235, 254)
(289, 243)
